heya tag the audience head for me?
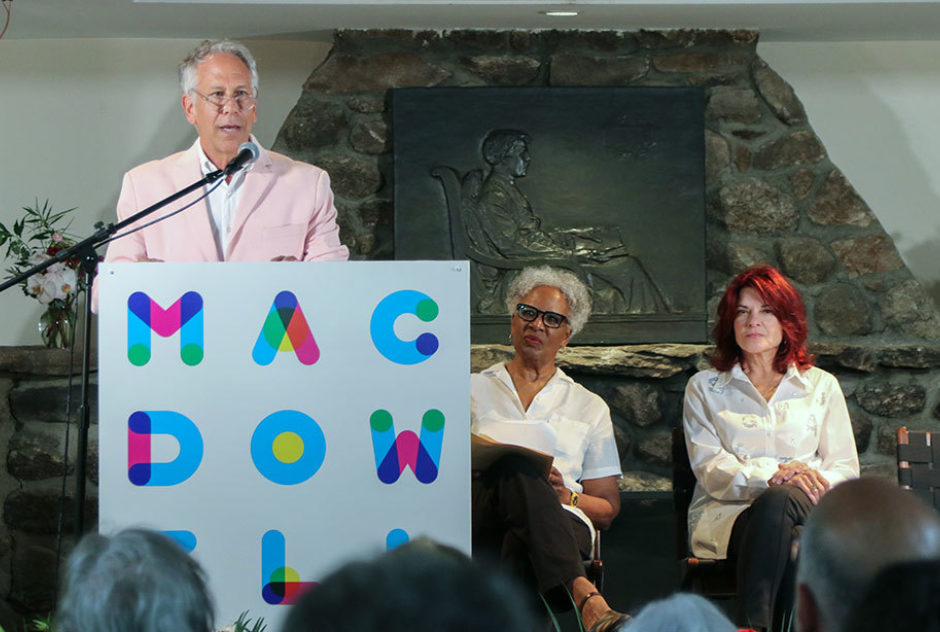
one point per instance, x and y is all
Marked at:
(787, 306)
(135, 580)
(902, 597)
(575, 291)
(681, 612)
(856, 530)
(418, 586)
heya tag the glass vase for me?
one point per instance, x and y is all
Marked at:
(56, 326)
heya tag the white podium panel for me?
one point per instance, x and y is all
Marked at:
(279, 419)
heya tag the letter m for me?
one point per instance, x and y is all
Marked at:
(144, 316)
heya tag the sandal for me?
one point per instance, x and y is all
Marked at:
(610, 621)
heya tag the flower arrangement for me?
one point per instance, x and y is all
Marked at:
(39, 234)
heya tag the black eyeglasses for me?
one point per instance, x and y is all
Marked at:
(552, 320)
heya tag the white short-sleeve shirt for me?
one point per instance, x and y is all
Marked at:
(581, 420)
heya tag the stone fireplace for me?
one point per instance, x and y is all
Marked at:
(772, 195)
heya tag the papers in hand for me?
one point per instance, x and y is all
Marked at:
(497, 438)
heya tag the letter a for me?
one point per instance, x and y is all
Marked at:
(285, 329)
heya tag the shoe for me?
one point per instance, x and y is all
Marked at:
(610, 621)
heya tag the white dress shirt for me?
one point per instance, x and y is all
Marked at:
(736, 440)
(581, 420)
(222, 201)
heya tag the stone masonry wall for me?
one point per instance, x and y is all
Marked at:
(33, 426)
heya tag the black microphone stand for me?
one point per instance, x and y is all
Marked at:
(86, 251)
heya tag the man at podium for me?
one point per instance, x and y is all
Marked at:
(276, 210)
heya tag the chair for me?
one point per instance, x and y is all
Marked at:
(707, 577)
(919, 464)
(594, 567)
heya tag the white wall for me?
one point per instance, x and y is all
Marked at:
(875, 107)
(76, 114)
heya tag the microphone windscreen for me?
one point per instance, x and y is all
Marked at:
(253, 148)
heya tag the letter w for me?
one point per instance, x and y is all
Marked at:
(393, 454)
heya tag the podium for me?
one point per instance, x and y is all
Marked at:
(280, 419)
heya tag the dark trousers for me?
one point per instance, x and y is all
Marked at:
(761, 543)
(517, 518)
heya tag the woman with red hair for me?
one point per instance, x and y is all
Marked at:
(768, 434)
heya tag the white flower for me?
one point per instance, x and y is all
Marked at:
(58, 281)
(35, 286)
(48, 288)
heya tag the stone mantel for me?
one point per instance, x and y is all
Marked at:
(666, 360)
(648, 361)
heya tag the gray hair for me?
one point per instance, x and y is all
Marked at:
(681, 611)
(575, 291)
(187, 67)
(134, 580)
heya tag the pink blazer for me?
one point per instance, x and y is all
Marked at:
(286, 210)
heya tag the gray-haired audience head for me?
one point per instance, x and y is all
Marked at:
(187, 67)
(681, 612)
(418, 586)
(858, 528)
(135, 580)
(575, 291)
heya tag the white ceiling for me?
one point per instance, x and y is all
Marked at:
(788, 20)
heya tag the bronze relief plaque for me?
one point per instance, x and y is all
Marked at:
(606, 182)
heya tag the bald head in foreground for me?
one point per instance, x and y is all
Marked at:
(857, 529)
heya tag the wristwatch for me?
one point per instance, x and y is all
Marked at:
(575, 497)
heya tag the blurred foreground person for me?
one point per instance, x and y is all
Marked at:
(417, 586)
(682, 612)
(133, 581)
(858, 529)
(902, 597)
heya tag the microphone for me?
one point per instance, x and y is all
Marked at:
(247, 154)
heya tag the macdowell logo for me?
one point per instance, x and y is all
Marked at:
(144, 315)
(383, 333)
(285, 329)
(394, 454)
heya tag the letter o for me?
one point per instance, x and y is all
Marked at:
(273, 466)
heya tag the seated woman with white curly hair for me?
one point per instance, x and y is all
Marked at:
(542, 528)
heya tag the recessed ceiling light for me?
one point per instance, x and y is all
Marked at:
(560, 14)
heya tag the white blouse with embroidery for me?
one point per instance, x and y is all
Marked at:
(736, 440)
